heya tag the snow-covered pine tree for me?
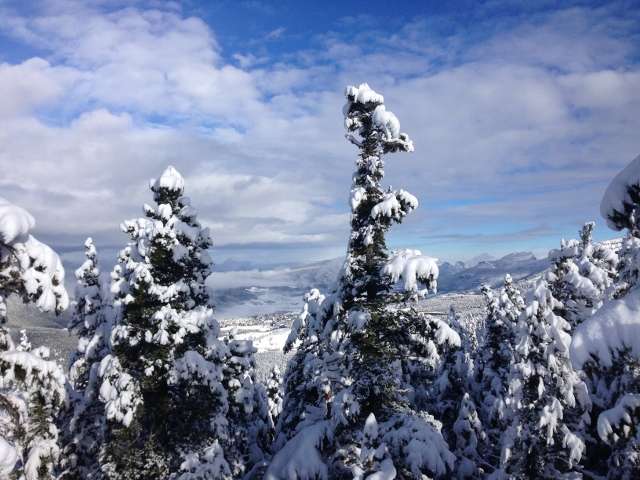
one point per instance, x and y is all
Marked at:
(496, 356)
(607, 345)
(25, 344)
(347, 367)
(32, 388)
(251, 426)
(84, 419)
(373, 459)
(274, 393)
(452, 379)
(470, 437)
(547, 391)
(162, 385)
(451, 403)
(584, 275)
(32, 394)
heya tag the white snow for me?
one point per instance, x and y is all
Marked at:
(40, 453)
(387, 122)
(195, 368)
(416, 440)
(265, 338)
(32, 366)
(299, 459)
(619, 414)
(170, 179)
(616, 195)
(8, 458)
(395, 205)
(574, 444)
(445, 335)
(550, 418)
(358, 320)
(358, 194)
(15, 222)
(412, 267)
(614, 327)
(363, 94)
(118, 391)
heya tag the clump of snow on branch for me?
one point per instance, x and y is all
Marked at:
(395, 205)
(619, 420)
(15, 222)
(299, 458)
(28, 267)
(615, 327)
(621, 198)
(412, 268)
(118, 391)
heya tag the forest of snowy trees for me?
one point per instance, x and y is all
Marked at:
(374, 389)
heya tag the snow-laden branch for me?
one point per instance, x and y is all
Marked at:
(613, 328)
(412, 269)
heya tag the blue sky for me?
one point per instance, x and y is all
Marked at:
(520, 114)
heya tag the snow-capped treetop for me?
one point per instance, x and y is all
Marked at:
(583, 274)
(365, 109)
(613, 328)
(622, 198)
(363, 94)
(15, 222)
(170, 179)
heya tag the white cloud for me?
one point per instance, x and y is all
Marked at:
(31, 84)
(275, 33)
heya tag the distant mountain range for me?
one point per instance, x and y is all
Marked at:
(246, 292)
(461, 277)
(240, 293)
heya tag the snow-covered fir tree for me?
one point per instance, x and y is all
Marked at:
(547, 394)
(162, 385)
(251, 425)
(470, 438)
(584, 275)
(607, 345)
(32, 387)
(84, 419)
(32, 394)
(451, 403)
(373, 459)
(496, 356)
(25, 344)
(347, 373)
(274, 393)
